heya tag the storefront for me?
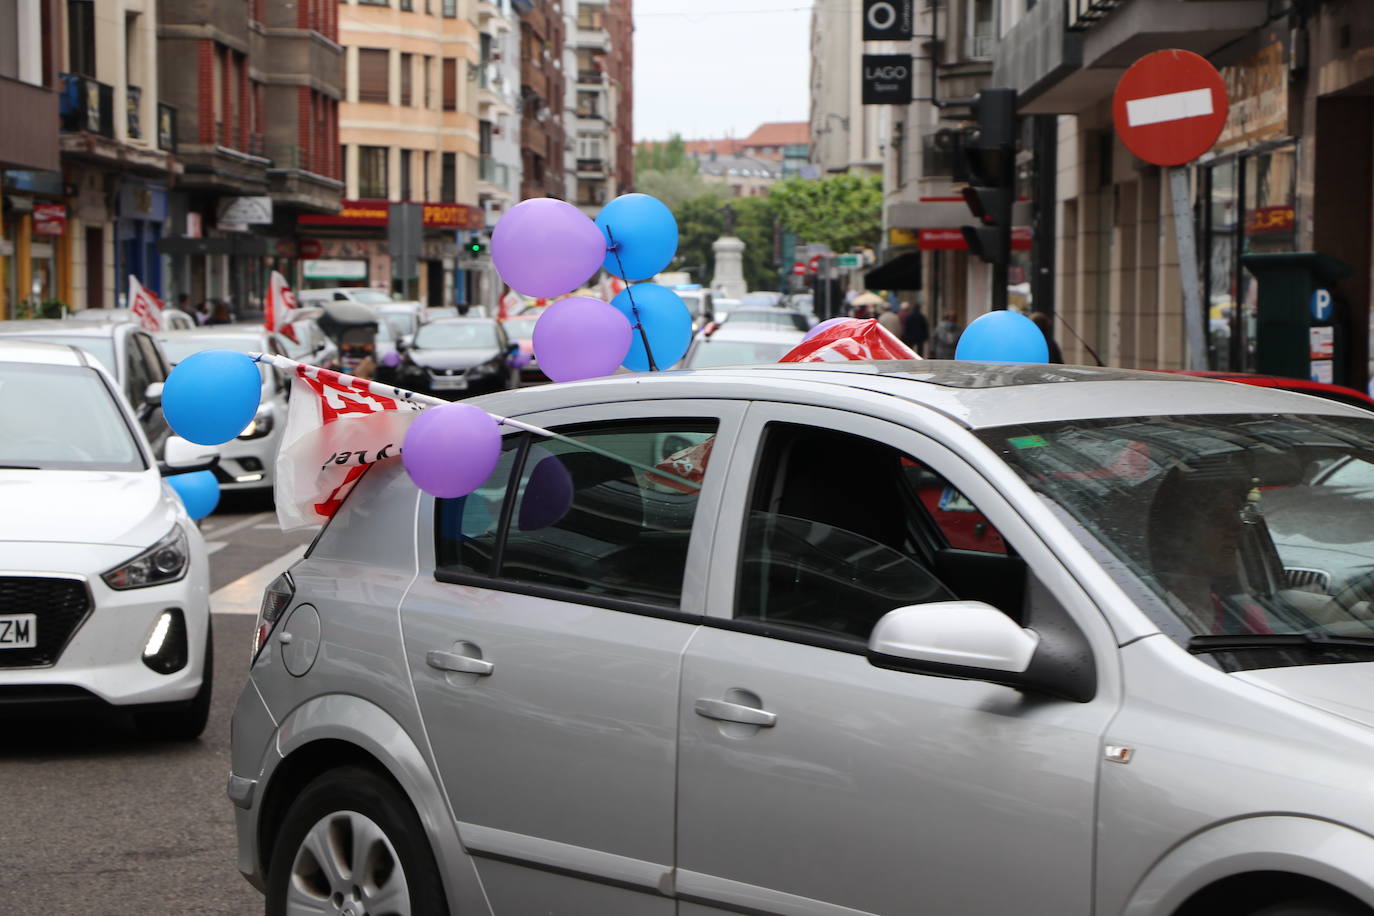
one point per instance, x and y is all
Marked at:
(33, 244)
(1248, 188)
(139, 228)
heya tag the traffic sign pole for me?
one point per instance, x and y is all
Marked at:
(1188, 268)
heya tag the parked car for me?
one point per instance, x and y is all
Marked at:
(397, 327)
(766, 298)
(745, 345)
(249, 461)
(359, 295)
(303, 340)
(758, 674)
(766, 316)
(455, 357)
(172, 319)
(104, 595)
(132, 355)
(520, 331)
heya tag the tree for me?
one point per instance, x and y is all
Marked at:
(842, 211)
(665, 171)
(701, 220)
(663, 157)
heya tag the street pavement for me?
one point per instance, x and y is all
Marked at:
(96, 821)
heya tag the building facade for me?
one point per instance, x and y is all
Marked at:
(543, 92)
(600, 102)
(251, 90)
(498, 95)
(1291, 172)
(409, 133)
(846, 136)
(30, 84)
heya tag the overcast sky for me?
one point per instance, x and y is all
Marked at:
(717, 68)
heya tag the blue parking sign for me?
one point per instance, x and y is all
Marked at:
(1320, 304)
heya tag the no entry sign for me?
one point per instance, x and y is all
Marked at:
(1169, 107)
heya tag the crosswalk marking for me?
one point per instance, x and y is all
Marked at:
(239, 525)
(244, 594)
(213, 547)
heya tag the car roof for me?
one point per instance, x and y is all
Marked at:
(976, 395)
(23, 351)
(753, 333)
(45, 326)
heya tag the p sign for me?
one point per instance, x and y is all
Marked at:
(1320, 304)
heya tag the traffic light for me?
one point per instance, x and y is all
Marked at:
(990, 154)
(476, 246)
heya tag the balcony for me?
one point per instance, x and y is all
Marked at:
(594, 77)
(133, 100)
(293, 183)
(86, 105)
(591, 167)
(494, 173)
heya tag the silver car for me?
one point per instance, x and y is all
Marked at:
(827, 639)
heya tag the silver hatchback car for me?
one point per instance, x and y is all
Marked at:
(835, 639)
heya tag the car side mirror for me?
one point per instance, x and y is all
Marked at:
(153, 393)
(182, 456)
(974, 641)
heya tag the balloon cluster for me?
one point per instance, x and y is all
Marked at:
(547, 248)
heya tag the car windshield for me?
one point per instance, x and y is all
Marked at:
(520, 327)
(371, 297)
(62, 418)
(403, 324)
(458, 335)
(179, 346)
(709, 352)
(1246, 537)
(771, 318)
(102, 348)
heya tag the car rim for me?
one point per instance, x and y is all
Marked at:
(346, 865)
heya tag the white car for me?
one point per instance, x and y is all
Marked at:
(172, 319)
(362, 295)
(248, 462)
(747, 345)
(104, 585)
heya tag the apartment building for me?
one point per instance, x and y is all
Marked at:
(600, 160)
(498, 102)
(846, 136)
(543, 94)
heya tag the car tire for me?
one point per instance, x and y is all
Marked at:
(326, 821)
(183, 723)
(1313, 906)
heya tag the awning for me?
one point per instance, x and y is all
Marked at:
(902, 272)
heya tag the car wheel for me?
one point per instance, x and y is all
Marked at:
(351, 843)
(183, 723)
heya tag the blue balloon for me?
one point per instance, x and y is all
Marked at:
(641, 236)
(1002, 337)
(211, 396)
(199, 492)
(666, 320)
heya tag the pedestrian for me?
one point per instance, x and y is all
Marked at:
(1046, 326)
(945, 339)
(916, 330)
(891, 320)
(219, 313)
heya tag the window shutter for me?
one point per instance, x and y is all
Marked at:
(406, 67)
(450, 84)
(373, 82)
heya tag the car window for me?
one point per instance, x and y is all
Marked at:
(139, 375)
(960, 524)
(457, 335)
(598, 511)
(152, 357)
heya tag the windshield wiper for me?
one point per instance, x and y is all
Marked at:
(19, 467)
(1202, 645)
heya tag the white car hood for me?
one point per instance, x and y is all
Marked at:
(1345, 689)
(127, 508)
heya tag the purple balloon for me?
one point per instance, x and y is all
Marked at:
(827, 323)
(451, 450)
(521, 359)
(392, 359)
(545, 247)
(548, 491)
(580, 338)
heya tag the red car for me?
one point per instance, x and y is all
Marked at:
(1338, 393)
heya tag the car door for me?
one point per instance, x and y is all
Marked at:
(544, 637)
(810, 781)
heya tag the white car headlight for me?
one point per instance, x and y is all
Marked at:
(259, 426)
(164, 562)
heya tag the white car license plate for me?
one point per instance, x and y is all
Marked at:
(450, 384)
(19, 631)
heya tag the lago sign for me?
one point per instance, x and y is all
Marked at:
(887, 79)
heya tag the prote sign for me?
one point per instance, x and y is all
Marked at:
(1169, 107)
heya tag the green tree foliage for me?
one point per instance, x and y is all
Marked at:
(664, 157)
(664, 170)
(842, 211)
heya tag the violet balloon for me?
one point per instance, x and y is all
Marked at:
(580, 338)
(548, 491)
(451, 450)
(545, 247)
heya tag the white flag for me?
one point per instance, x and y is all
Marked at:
(146, 306)
(336, 428)
(280, 302)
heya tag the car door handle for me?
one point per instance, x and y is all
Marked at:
(734, 712)
(464, 664)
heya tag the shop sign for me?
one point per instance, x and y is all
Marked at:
(887, 20)
(904, 237)
(953, 239)
(361, 213)
(1258, 90)
(49, 219)
(887, 79)
(334, 269)
(245, 211)
(1262, 220)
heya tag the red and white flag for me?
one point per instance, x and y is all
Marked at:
(145, 305)
(337, 427)
(280, 302)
